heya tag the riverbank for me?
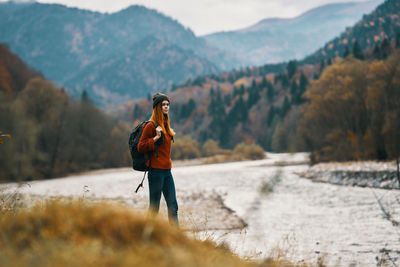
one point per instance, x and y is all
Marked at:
(372, 174)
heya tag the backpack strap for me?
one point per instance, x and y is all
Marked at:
(144, 176)
(155, 145)
(149, 155)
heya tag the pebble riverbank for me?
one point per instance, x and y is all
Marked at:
(364, 174)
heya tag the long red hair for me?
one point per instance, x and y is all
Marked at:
(162, 119)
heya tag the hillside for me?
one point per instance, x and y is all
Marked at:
(276, 40)
(61, 42)
(141, 62)
(261, 104)
(14, 73)
(376, 31)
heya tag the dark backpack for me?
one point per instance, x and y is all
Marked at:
(138, 159)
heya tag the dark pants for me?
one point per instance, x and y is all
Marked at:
(161, 181)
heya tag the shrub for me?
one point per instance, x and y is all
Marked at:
(185, 148)
(243, 151)
(210, 148)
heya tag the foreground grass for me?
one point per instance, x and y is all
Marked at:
(65, 233)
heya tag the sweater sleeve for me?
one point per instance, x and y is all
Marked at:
(146, 142)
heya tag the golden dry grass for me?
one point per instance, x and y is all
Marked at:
(241, 152)
(65, 233)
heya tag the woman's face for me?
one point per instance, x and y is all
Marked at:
(165, 107)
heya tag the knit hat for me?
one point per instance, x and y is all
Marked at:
(159, 98)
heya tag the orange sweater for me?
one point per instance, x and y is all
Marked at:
(146, 144)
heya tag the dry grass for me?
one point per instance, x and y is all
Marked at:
(241, 152)
(11, 200)
(65, 233)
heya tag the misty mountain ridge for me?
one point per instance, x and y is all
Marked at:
(103, 53)
(143, 59)
(61, 42)
(275, 40)
(309, 17)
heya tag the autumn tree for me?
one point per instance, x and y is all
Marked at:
(383, 102)
(354, 111)
(336, 118)
(36, 128)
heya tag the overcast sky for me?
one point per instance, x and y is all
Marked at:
(207, 16)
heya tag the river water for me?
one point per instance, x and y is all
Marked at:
(306, 220)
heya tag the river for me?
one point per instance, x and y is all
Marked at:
(305, 220)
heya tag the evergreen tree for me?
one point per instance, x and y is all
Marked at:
(285, 81)
(218, 117)
(137, 112)
(293, 88)
(346, 52)
(321, 66)
(285, 107)
(238, 112)
(303, 82)
(253, 84)
(385, 48)
(235, 92)
(377, 52)
(357, 51)
(270, 93)
(85, 97)
(277, 78)
(231, 77)
(271, 115)
(228, 99)
(254, 96)
(242, 110)
(291, 68)
(297, 98)
(398, 40)
(241, 90)
(264, 82)
(187, 109)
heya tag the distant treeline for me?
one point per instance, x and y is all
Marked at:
(53, 135)
(341, 109)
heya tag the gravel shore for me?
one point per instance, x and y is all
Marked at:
(359, 173)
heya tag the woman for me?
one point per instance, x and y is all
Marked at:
(156, 140)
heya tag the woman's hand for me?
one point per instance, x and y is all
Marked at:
(158, 133)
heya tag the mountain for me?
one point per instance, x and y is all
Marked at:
(14, 73)
(61, 42)
(275, 40)
(49, 37)
(264, 104)
(145, 65)
(374, 33)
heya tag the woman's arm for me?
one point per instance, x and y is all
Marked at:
(146, 142)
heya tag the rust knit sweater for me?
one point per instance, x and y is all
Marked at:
(146, 144)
